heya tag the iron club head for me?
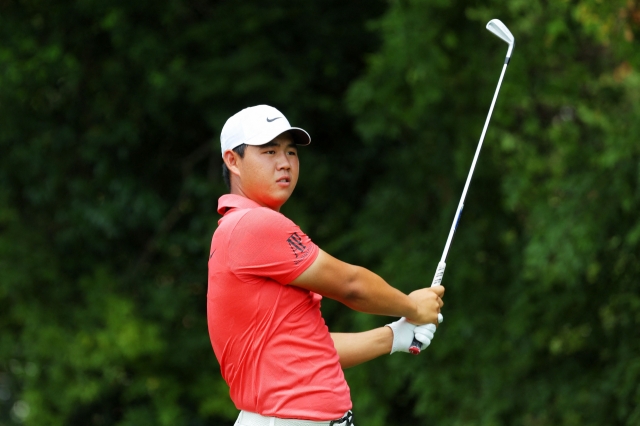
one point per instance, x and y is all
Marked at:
(498, 28)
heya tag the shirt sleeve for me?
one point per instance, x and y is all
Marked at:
(265, 243)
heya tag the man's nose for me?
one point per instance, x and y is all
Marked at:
(283, 161)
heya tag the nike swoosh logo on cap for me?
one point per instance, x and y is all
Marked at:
(273, 119)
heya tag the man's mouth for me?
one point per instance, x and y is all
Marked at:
(284, 180)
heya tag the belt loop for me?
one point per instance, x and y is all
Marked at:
(272, 421)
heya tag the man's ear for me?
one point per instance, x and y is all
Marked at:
(231, 159)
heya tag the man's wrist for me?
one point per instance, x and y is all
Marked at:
(414, 311)
(386, 340)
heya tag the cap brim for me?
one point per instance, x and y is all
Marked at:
(300, 137)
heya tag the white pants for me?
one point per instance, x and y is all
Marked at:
(247, 418)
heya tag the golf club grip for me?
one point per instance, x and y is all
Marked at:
(416, 346)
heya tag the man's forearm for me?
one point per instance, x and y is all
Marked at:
(371, 294)
(356, 348)
(364, 291)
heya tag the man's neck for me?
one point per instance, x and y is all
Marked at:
(237, 190)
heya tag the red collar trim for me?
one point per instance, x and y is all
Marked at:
(232, 201)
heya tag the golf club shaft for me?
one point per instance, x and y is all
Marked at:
(415, 347)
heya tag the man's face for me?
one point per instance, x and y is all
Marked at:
(268, 173)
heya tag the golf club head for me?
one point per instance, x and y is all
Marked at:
(498, 28)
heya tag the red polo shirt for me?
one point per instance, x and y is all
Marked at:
(274, 349)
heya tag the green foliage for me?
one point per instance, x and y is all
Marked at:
(109, 177)
(109, 120)
(542, 305)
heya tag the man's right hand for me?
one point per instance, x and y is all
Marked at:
(428, 303)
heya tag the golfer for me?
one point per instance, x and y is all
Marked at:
(266, 281)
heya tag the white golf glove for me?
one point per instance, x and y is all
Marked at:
(403, 333)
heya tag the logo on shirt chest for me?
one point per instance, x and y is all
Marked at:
(297, 247)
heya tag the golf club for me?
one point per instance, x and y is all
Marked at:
(499, 29)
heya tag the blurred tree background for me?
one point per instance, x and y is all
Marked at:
(110, 113)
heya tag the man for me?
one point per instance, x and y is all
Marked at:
(266, 279)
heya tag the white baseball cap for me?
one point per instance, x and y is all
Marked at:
(258, 125)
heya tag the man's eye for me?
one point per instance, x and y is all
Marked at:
(293, 153)
(270, 152)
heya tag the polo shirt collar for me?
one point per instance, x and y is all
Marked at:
(232, 201)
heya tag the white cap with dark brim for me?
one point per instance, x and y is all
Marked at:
(258, 125)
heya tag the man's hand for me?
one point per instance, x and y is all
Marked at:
(428, 303)
(404, 331)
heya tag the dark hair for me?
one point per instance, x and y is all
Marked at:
(225, 170)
